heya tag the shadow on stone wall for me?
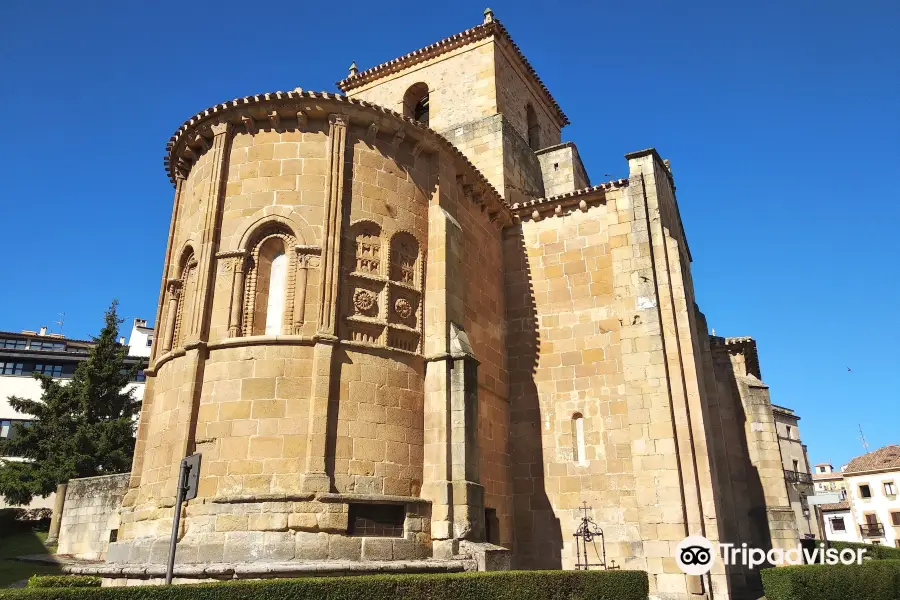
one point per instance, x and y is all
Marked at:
(745, 519)
(537, 535)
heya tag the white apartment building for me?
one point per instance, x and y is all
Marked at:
(840, 526)
(872, 481)
(28, 352)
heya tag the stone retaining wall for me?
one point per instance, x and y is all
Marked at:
(91, 514)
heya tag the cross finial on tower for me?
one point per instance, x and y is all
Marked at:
(353, 69)
(488, 16)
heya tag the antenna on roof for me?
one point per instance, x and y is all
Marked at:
(863, 438)
(60, 321)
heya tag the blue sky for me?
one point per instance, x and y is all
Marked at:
(781, 120)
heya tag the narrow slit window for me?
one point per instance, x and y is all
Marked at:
(578, 447)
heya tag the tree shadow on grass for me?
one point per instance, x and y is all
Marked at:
(23, 543)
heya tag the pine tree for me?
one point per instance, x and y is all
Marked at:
(81, 428)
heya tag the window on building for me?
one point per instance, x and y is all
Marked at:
(865, 491)
(12, 344)
(141, 376)
(895, 519)
(787, 433)
(51, 370)
(5, 429)
(277, 293)
(149, 341)
(46, 346)
(416, 103)
(10, 368)
(837, 524)
(796, 465)
(579, 452)
(376, 520)
(534, 129)
(890, 489)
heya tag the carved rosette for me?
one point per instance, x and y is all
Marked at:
(403, 308)
(364, 301)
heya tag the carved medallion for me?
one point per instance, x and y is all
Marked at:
(363, 300)
(403, 308)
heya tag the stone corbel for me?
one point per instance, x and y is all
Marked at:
(189, 154)
(398, 139)
(249, 123)
(274, 119)
(302, 120)
(372, 132)
(202, 141)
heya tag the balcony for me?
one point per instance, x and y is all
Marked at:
(872, 530)
(797, 476)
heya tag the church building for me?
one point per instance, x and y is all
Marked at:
(403, 326)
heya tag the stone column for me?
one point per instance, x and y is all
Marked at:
(306, 259)
(59, 505)
(174, 290)
(209, 236)
(468, 494)
(238, 266)
(316, 479)
(450, 476)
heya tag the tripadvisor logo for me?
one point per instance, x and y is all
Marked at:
(696, 555)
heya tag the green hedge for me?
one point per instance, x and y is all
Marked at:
(873, 551)
(872, 580)
(500, 585)
(64, 581)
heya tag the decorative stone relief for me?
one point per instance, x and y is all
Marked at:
(364, 301)
(368, 250)
(403, 308)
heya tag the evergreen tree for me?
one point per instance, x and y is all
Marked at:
(81, 428)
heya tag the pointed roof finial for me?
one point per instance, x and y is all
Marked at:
(488, 16)
(353, 69)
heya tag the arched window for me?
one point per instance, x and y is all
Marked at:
(269, 281)
(415, 103)
(578, 449)
(534, 130)
(184, 323)
(277, 294)
(271, 287)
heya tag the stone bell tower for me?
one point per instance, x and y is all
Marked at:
(484, 96)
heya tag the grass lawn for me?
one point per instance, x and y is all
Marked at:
(17, 545)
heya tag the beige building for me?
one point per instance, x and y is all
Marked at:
(400, 324)
(872, 481)
(797, 473)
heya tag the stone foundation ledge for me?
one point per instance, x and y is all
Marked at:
(230, 571)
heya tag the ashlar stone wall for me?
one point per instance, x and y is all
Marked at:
(91, 515)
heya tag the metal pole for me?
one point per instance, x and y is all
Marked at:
(820, 519)
(182, 485)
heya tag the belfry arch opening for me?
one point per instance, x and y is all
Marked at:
(416, 103)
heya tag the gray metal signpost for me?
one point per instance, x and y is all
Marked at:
(816, 501)
(188, 480)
